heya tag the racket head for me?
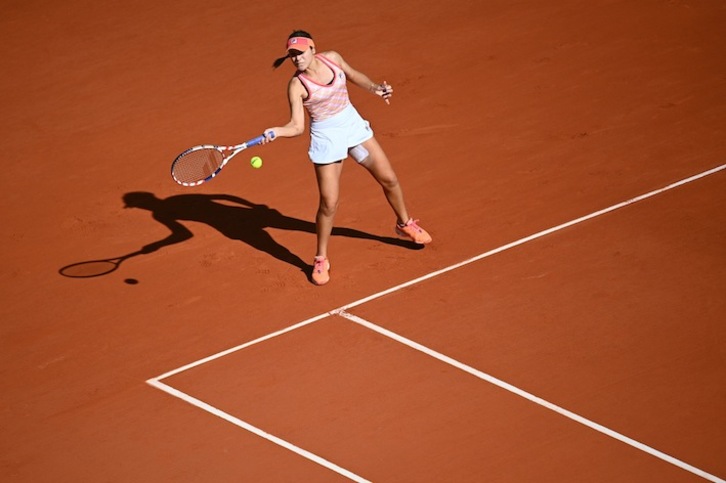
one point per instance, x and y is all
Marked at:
(93, 268)
(202, 163)
(199, 164)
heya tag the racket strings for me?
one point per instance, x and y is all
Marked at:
(198, 165)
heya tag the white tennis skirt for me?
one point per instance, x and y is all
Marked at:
(331, 138)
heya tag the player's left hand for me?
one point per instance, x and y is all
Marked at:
(384, 90)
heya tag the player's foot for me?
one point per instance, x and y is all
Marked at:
(413, 232)
(321, 271)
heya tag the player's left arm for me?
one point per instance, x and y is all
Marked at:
(385, 90)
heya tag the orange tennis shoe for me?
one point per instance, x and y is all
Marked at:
(321, 271)
(413, 232)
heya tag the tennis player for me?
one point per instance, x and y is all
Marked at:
(336, 131)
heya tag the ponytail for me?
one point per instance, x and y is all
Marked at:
(280, 61)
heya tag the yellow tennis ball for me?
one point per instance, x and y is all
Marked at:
(256, 162)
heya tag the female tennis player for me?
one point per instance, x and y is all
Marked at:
(336, 130)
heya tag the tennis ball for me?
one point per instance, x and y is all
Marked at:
(256, 162)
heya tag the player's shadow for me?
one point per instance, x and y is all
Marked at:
(237, 219)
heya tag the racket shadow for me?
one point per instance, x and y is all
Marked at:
(95, 268)
(237, 219)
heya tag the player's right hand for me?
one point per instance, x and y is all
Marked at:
(269, 136)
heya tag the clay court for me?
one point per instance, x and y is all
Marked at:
(567, 324)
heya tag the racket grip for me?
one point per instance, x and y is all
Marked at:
(255, 141)
(259, 139)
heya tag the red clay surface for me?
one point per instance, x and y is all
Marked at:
(508, 118)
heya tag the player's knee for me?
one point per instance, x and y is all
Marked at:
(389, 183)
(328, 206)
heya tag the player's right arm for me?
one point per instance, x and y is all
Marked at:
(296, 126)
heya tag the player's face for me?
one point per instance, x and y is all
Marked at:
(301, 60)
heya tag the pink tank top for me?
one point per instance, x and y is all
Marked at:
(325, 100)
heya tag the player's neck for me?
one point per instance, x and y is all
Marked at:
(315, 67)
(319, 71)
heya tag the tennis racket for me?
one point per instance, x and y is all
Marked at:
(202, 163)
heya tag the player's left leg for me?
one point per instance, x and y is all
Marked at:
(378, 164)
(380, 168)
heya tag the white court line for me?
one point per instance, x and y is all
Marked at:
(530, 397)
(240, 347)
(540, 234)
(156, 381)
(255, 430)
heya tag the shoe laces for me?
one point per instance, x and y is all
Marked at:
(413, 224)
(319, 264)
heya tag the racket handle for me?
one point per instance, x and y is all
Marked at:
(255, 141)
(258, 140)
